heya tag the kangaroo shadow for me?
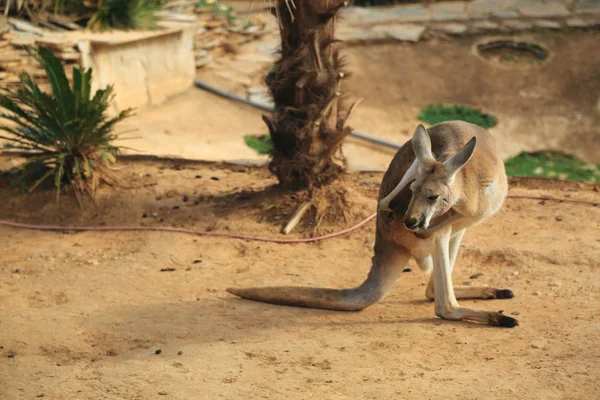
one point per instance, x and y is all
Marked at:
(129, 329)
(126, 329)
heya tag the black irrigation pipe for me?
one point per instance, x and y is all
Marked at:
(231, 96)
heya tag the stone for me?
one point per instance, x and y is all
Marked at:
(255, 90)
(402, 32)
(516, 25)
(359, 34)
(353, 14)
(256, 57)
(452, 11)
(357, 16)
(581, 23)
(268, 48)
(376, 16)
(235, 76)
(576, 23)
(203, 60)
(25, 26)
(252, 29)
(503, 14)
(481, 8)
(452, 28)
(262, 98)
(485, 25)
(546, 23)
(245, 66)
(544, 10)
(411, 13)
(588, 7)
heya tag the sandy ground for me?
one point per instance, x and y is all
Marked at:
(83, 315)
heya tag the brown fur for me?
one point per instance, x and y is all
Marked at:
(476, 192)
(446, 139)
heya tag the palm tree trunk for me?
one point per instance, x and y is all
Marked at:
(309, 121)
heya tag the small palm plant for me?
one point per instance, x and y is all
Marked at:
(123, 14)
(66, 135)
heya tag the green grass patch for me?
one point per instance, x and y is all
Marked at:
(436, 113)
(552, 165)
(261, 144)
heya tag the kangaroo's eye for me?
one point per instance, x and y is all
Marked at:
(433, 198)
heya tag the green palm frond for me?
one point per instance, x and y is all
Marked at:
(100, 14)
(124, 14)
(68, 131)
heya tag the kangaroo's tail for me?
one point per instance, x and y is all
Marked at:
(327, 299)
(388, 263)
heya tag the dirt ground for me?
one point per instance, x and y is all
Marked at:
(83, 315)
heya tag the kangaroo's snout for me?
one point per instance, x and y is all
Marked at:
(413, 223)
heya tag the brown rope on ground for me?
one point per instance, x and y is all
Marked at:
(242, 236)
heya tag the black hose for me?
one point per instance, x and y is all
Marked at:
(231, 96)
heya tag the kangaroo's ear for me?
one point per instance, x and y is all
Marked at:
(456, 162)
(422, 146)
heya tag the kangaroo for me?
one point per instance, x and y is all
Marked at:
(442, 181)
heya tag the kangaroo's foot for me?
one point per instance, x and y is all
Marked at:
(458, 313)
(472, 292)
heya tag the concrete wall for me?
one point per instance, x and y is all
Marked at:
(144, 68)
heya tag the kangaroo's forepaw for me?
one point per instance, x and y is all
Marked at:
(384, 207)
(504, 294)
(423, 234)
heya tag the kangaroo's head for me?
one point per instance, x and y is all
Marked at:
(433, 190)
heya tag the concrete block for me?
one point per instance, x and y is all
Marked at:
(145, 68)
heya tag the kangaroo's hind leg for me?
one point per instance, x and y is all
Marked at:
(446, 305)
(463, 291)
